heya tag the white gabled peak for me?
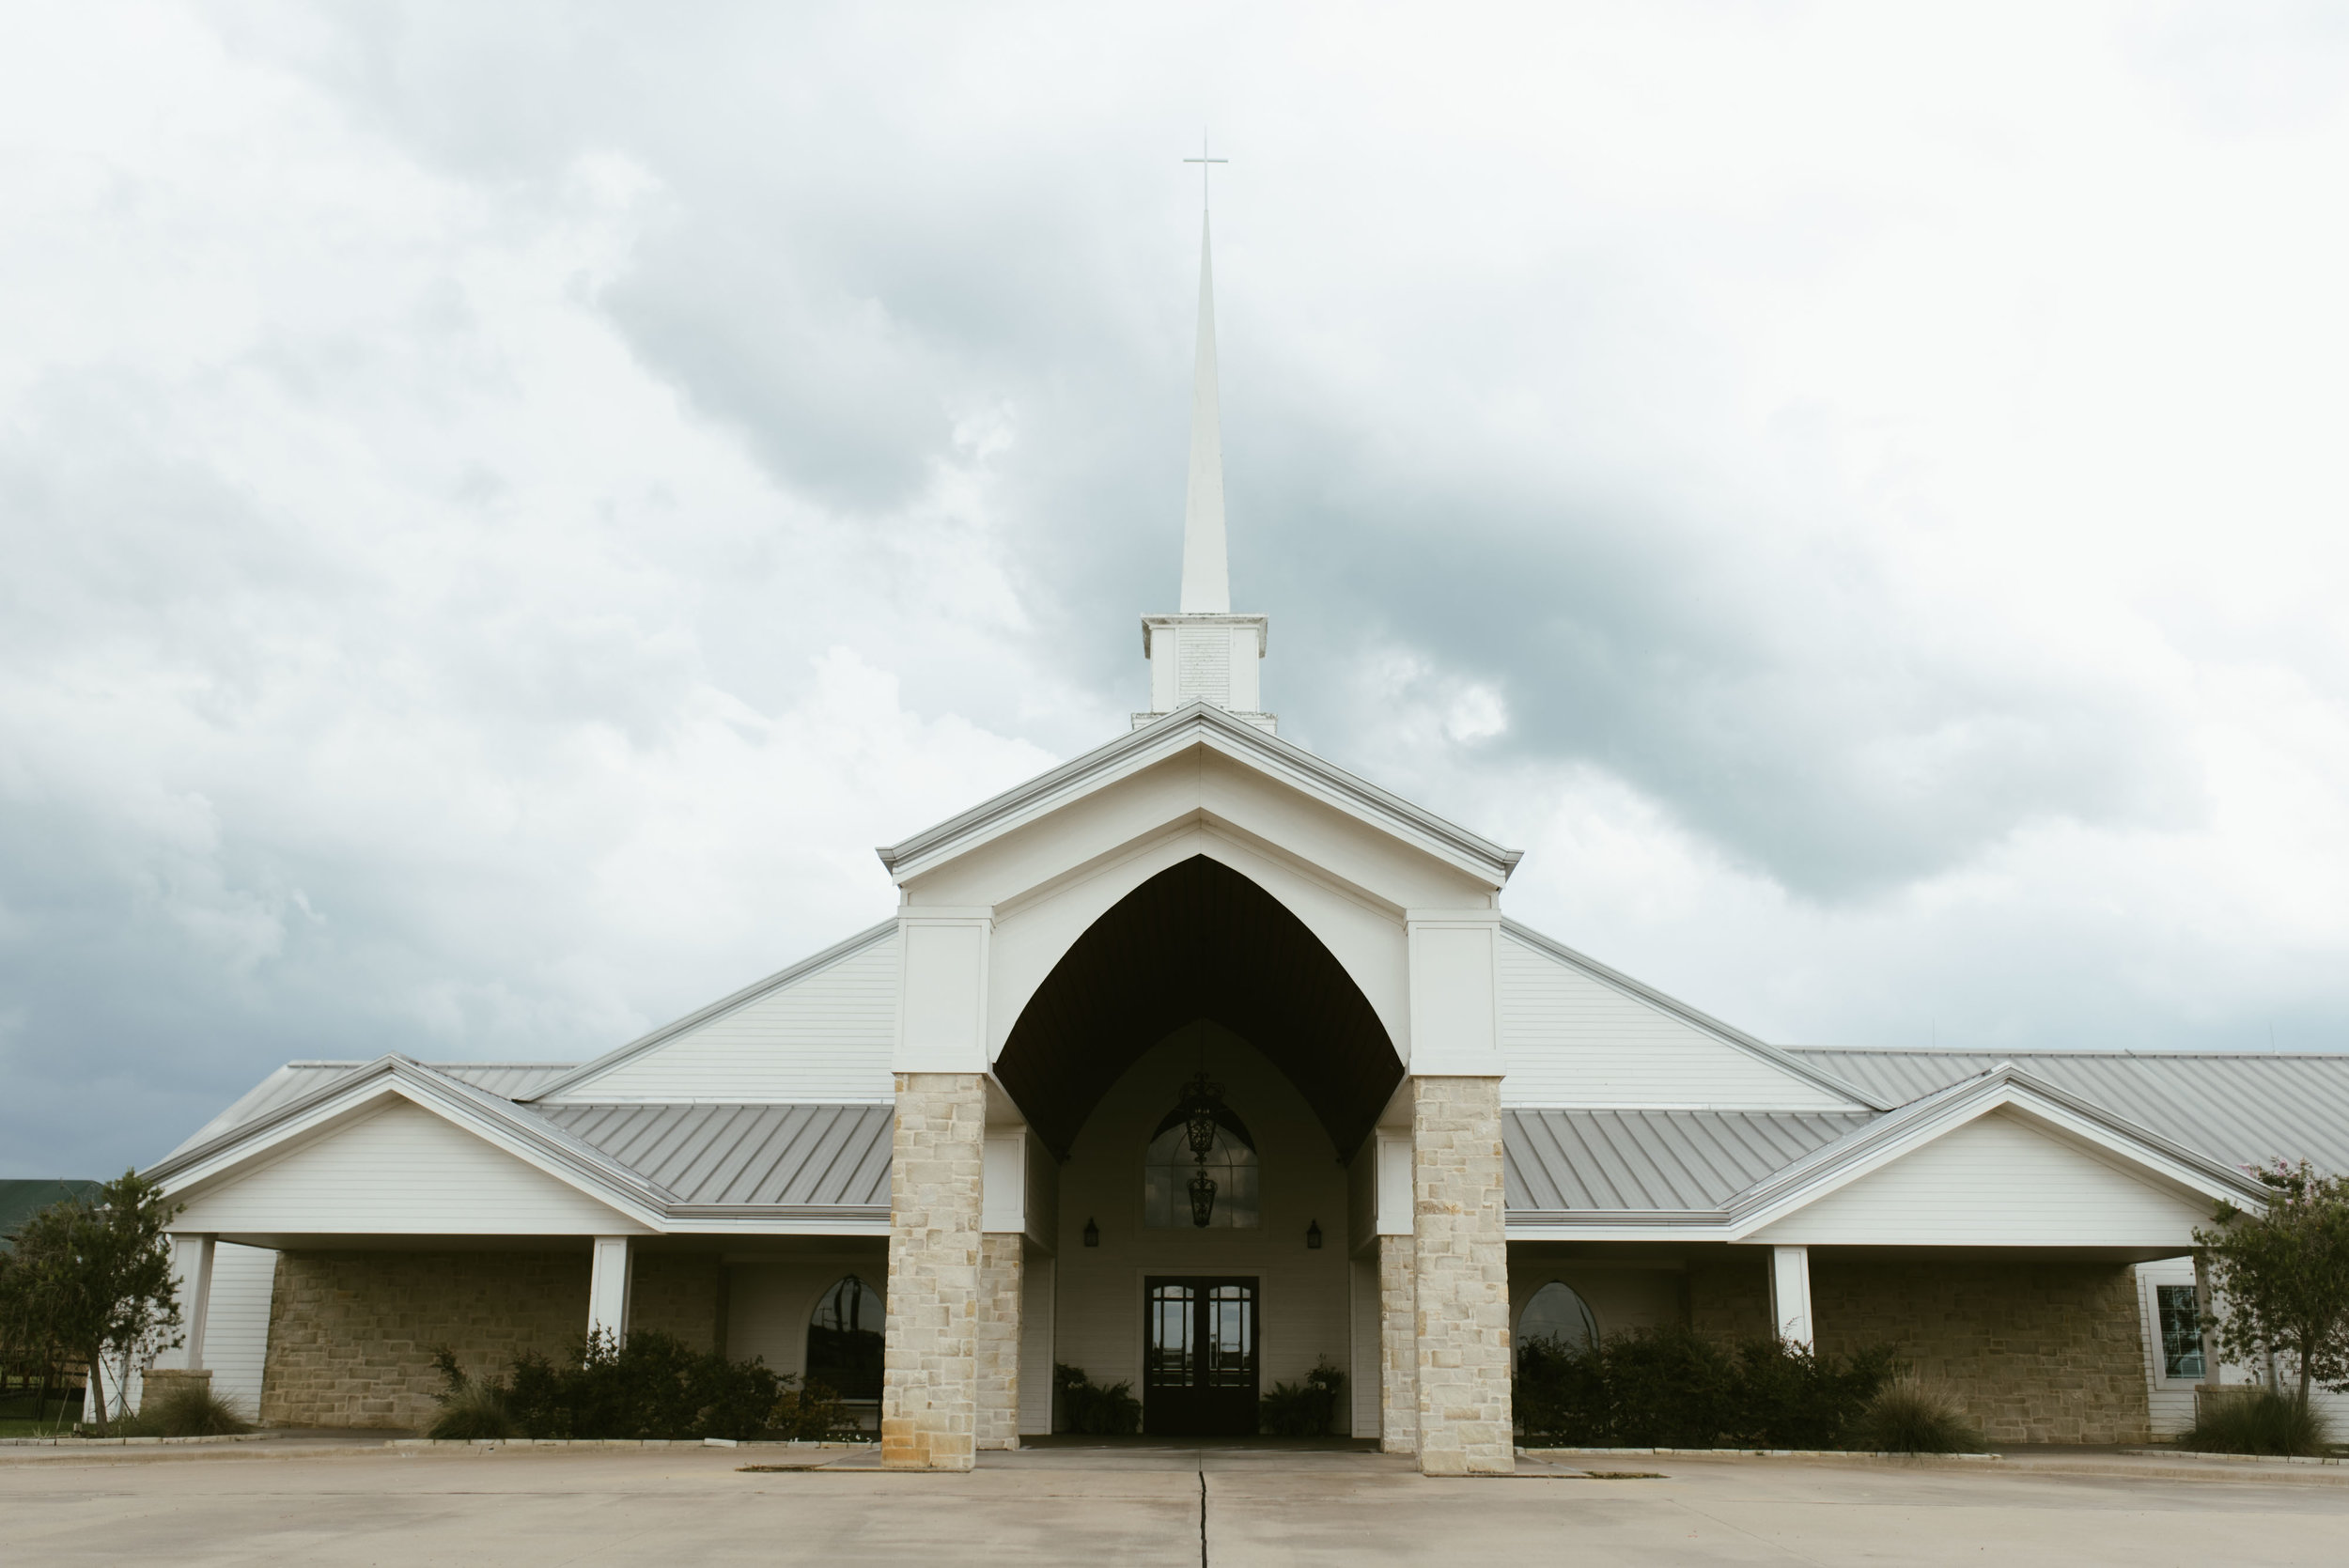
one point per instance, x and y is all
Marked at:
(1204, 652)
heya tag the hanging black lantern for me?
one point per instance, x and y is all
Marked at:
(1312, 1236)
(1201, 1104)
(1092, 1233)
(1201, 1198)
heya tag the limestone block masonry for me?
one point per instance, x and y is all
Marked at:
(929, 1385)
(1399, 1348)
(1460, 1258)
(1000, 1294)
(2036, 1351)
(351, 1334)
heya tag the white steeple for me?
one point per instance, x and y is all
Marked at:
(1207, 568)
(1204, 653)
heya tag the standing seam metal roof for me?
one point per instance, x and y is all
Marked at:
(2239, 1108)
(743, 1153)
(1655, 1160)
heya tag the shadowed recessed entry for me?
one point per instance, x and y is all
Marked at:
(1198, 941)
(1199, 1357)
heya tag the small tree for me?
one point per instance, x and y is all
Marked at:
(2281, 1278)
(92, 1276)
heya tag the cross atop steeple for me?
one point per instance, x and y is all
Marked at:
(1204, 653)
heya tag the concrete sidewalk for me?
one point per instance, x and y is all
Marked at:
(1141, 1504)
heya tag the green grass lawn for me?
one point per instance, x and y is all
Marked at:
(19, 1419)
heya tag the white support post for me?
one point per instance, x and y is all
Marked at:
(608, 1286)
(2211, 1378)
(191, 1277)
(1790, 1295)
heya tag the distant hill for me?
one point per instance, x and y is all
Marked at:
(21, 1200)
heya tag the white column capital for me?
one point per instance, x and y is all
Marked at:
(942, 965)
(1456, 993)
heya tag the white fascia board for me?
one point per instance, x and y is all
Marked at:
(843, 1219)
(529, 1139)
(1202, 724)
(1784, 1062)
(1871, 1148)
(667, 1031)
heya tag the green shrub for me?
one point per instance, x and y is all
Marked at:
(188, 1410)
(652, 1386)
(811, 1414)
(1911, 1416)
(1306, 1410)
(1103, 1412)
(1675, 1388)
(2256, 1420)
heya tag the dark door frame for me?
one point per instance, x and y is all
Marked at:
(1197, 1408)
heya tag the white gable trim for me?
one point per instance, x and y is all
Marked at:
(1196, 725)
(2139, 1151)
(542, 1146)
(588, 1071)
(1871, 1148)
(525, 1135)
(1736, 1039)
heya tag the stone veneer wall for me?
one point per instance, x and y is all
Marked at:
(1000, 1287)
(681, 1293)
(1728, 1297)
(1460, 1258)
(929, 1386)
(351, 1334)
(1399, 1348)
(2038, 1351)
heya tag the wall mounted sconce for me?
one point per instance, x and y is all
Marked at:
(1312, 1236)
(1092, 1233)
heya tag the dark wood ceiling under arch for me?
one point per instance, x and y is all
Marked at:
(1198, 941)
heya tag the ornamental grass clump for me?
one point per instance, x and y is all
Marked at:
(190, 1410)
(1909, 1414)
(2256, 1420)
(472, 1410)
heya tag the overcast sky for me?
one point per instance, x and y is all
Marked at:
(503, 505)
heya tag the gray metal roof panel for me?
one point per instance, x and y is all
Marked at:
(291, 1082)
(1655, 1160)
(804, 1155)
(2238, 1108)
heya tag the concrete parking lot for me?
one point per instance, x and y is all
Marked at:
(296, 1503)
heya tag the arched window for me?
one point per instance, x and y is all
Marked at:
(1168, 1172)
(844, 1340)
(1556, 1322)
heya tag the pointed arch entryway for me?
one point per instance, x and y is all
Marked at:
(1198, 941)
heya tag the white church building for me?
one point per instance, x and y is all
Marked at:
(1195, 1063)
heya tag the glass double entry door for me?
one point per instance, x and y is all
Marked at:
(1199, 1359)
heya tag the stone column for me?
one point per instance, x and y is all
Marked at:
(1399, 1348)
(1460, 1263)
(1002, 1282)
(929, 1383)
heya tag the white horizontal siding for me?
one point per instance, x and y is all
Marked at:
(2172, 1400)
(1571, 1039)
(1036, 1345)
(235, 1323)
(1996, 1181)
(401, 1171)
(824, 1038)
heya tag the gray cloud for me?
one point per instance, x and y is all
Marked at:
(591, 479)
